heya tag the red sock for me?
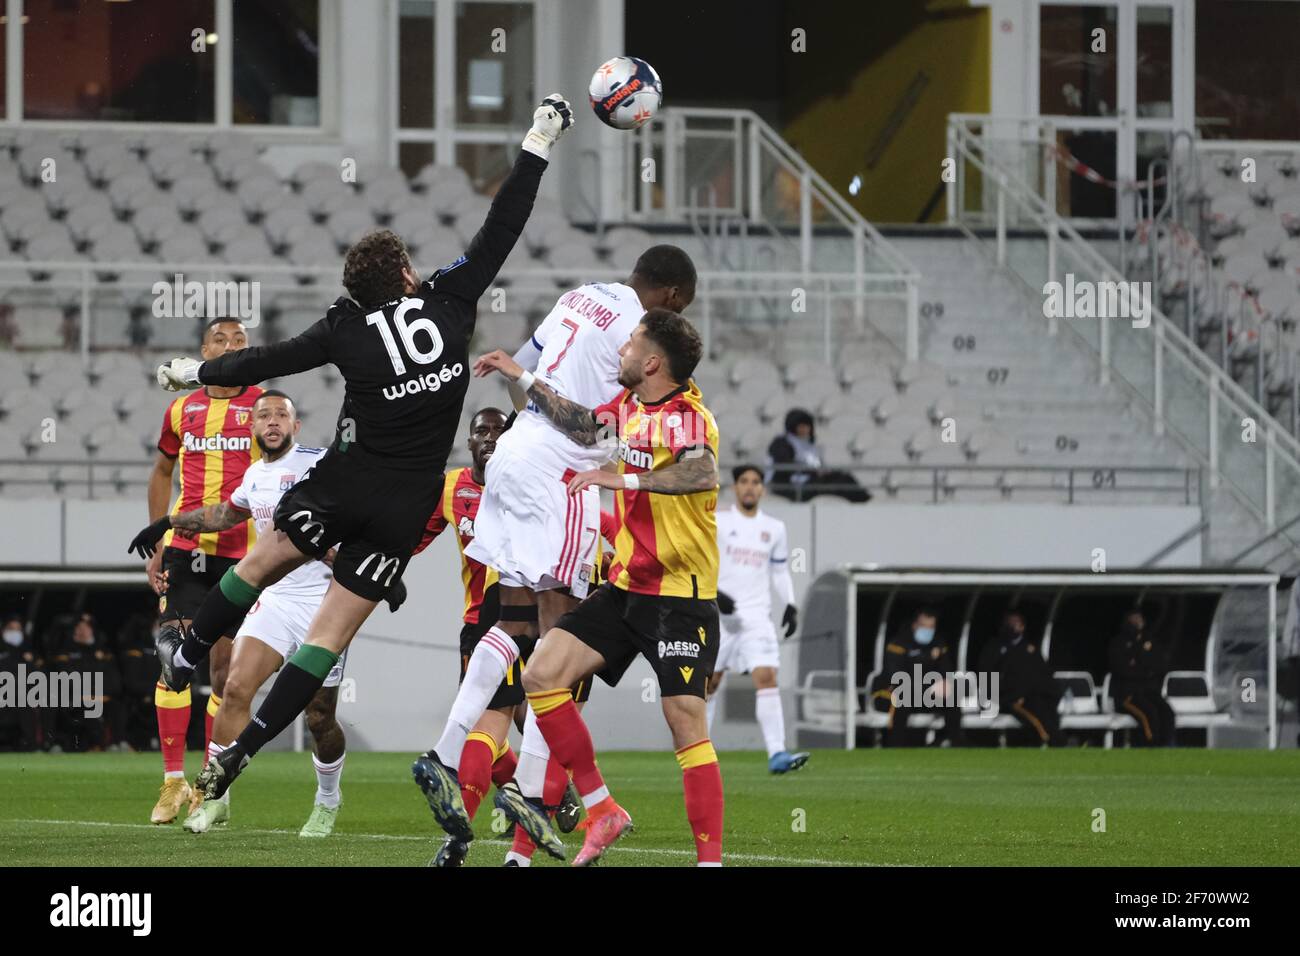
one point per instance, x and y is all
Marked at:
(173, 722)
(702, 784)
(570, 742)
(503, 769)
(557, 781)
(523, 844)
(475, 771)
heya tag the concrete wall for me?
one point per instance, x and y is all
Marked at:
(404, 666)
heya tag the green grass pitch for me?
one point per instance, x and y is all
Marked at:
(870, 807)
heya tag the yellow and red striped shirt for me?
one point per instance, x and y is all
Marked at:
(458, 509)
(665, 545)
(212, 438)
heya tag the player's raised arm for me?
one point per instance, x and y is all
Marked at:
(576, 421)
(528, 355)
(251, 365)
(470, 275)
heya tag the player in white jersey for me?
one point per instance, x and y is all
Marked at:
(277, 624)
(754, 558)
(543, 542)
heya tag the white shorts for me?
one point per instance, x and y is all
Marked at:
(746, 642)
(532, 531)
(280, 622)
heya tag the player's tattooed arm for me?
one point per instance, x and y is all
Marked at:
(576, 421)
(218, 517)
(695, 471)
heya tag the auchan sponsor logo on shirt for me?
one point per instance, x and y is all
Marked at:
(217, 442)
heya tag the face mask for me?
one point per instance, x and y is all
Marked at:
(924, 635)
(13, 638)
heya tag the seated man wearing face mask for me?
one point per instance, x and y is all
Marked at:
(1026, 689)
(1139, 660)
(17, 660)
(913, 653)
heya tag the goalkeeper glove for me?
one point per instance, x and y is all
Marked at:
(146, 542)
(550, 120)
(790, 619)
(726, 605)
(396, 595)
(178, 374)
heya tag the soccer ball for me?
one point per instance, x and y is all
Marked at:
(625, 92)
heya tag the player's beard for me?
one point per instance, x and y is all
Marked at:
(630, 377)
(270, 452)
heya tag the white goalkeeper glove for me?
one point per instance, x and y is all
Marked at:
(178, 374)
(550, 120)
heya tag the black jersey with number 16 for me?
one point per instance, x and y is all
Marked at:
(406, 364)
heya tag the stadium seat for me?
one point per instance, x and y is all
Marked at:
(750, 442)
(68, 444)
(287, 224)
(323, 198)
(313, 171)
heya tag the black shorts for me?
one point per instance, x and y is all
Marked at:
(375, 517)
(677, 635)
(511, 691)
(190, 576)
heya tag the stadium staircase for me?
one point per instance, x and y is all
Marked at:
(1192, 409)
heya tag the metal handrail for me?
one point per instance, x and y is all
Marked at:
(1183, 484)
(1174, 340)
(1279, 445)
(753, 140)
(754, 287)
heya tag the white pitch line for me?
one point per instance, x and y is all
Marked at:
(742, 857)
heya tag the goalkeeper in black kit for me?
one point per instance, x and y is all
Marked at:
(402, 346)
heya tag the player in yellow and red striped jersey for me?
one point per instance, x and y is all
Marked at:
(206, 439)
(660, 601)
(487, 757)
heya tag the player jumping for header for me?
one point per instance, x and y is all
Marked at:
(659, 600)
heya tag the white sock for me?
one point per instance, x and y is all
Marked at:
(708, 864)
(711, 706)
(167, 774)
(494, 655)
(767, 706)
(327, 780)
(518, 858)
(179, 658)
(534, 755)
(214, 751)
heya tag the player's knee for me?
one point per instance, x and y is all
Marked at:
(237, 690)
(534, 679)
(764, 677)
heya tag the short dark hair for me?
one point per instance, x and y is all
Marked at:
(276, 393)
(213, 323)
(741, 469)
(487, 410)
(664, 266)
(677, 339)
(926, 610)
(372, 271)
